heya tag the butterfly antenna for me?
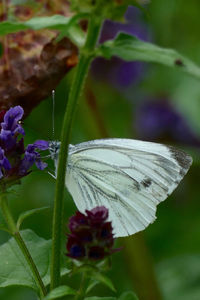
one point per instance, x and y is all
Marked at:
(53, 114)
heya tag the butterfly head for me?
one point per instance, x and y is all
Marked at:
(54, 147)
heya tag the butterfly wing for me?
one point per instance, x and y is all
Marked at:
(128, 177)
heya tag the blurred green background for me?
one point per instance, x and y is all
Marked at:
(169, 249)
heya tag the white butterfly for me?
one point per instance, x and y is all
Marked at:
(129, 177)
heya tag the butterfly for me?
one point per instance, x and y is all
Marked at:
(128, 177)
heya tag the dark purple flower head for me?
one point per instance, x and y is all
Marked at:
(77, 220)
(76, 249)
(96, 253)
(91, 236)
(158, 120)
(15, 160)
(97, 215)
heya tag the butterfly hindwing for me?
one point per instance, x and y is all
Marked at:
(128, 177)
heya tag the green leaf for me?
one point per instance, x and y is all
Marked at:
(13, 266)
(91, 285)
(94, 273)
(85, 268)
(4, 228)
(27, 214)
(57, 22)
(130, 48)
(75, 34)
(104, 280)
(129, 295)
(22, 2)
(100, 298)
(66, 25)
(7, 27)
(52, 22)
(59, 292)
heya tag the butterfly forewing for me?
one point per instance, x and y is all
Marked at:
(129, 177)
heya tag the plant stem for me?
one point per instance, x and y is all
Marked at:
(86, 55)
(140, 266)
(83, 286)
(18, 238)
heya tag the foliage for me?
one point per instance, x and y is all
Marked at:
(13, 266)
(116, 116)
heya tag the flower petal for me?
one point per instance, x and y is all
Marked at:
(41, 144)
(11, 119)
(40, 164)
(7, 139)
(4, 162)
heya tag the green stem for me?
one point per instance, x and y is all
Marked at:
(85, 58)
(140, 266)
(83, 286)
(18, 238)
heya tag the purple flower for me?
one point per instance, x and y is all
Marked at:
(77, 220)
(158, 120)
(91, 236)
(41, 145)
(11, 120)
(8, 139)
(133, 25)
(15, 160)
(76, 249)
(117, 71)
(97, 215)
(31, 156)
(96, 253)
(4, 163)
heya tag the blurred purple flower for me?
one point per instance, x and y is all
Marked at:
(160, 121)
(117, 71)
(91, 236)
(15, 161)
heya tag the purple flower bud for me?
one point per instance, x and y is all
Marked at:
(31, 157)
(8, 140)
(41, 145)
(27, 162)
(11, 119)
(91, 236)
(106, 233)
(76, 249)
(97, 215)
(4, 162)
(77, 220)
(96, 253)
(40, 164)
